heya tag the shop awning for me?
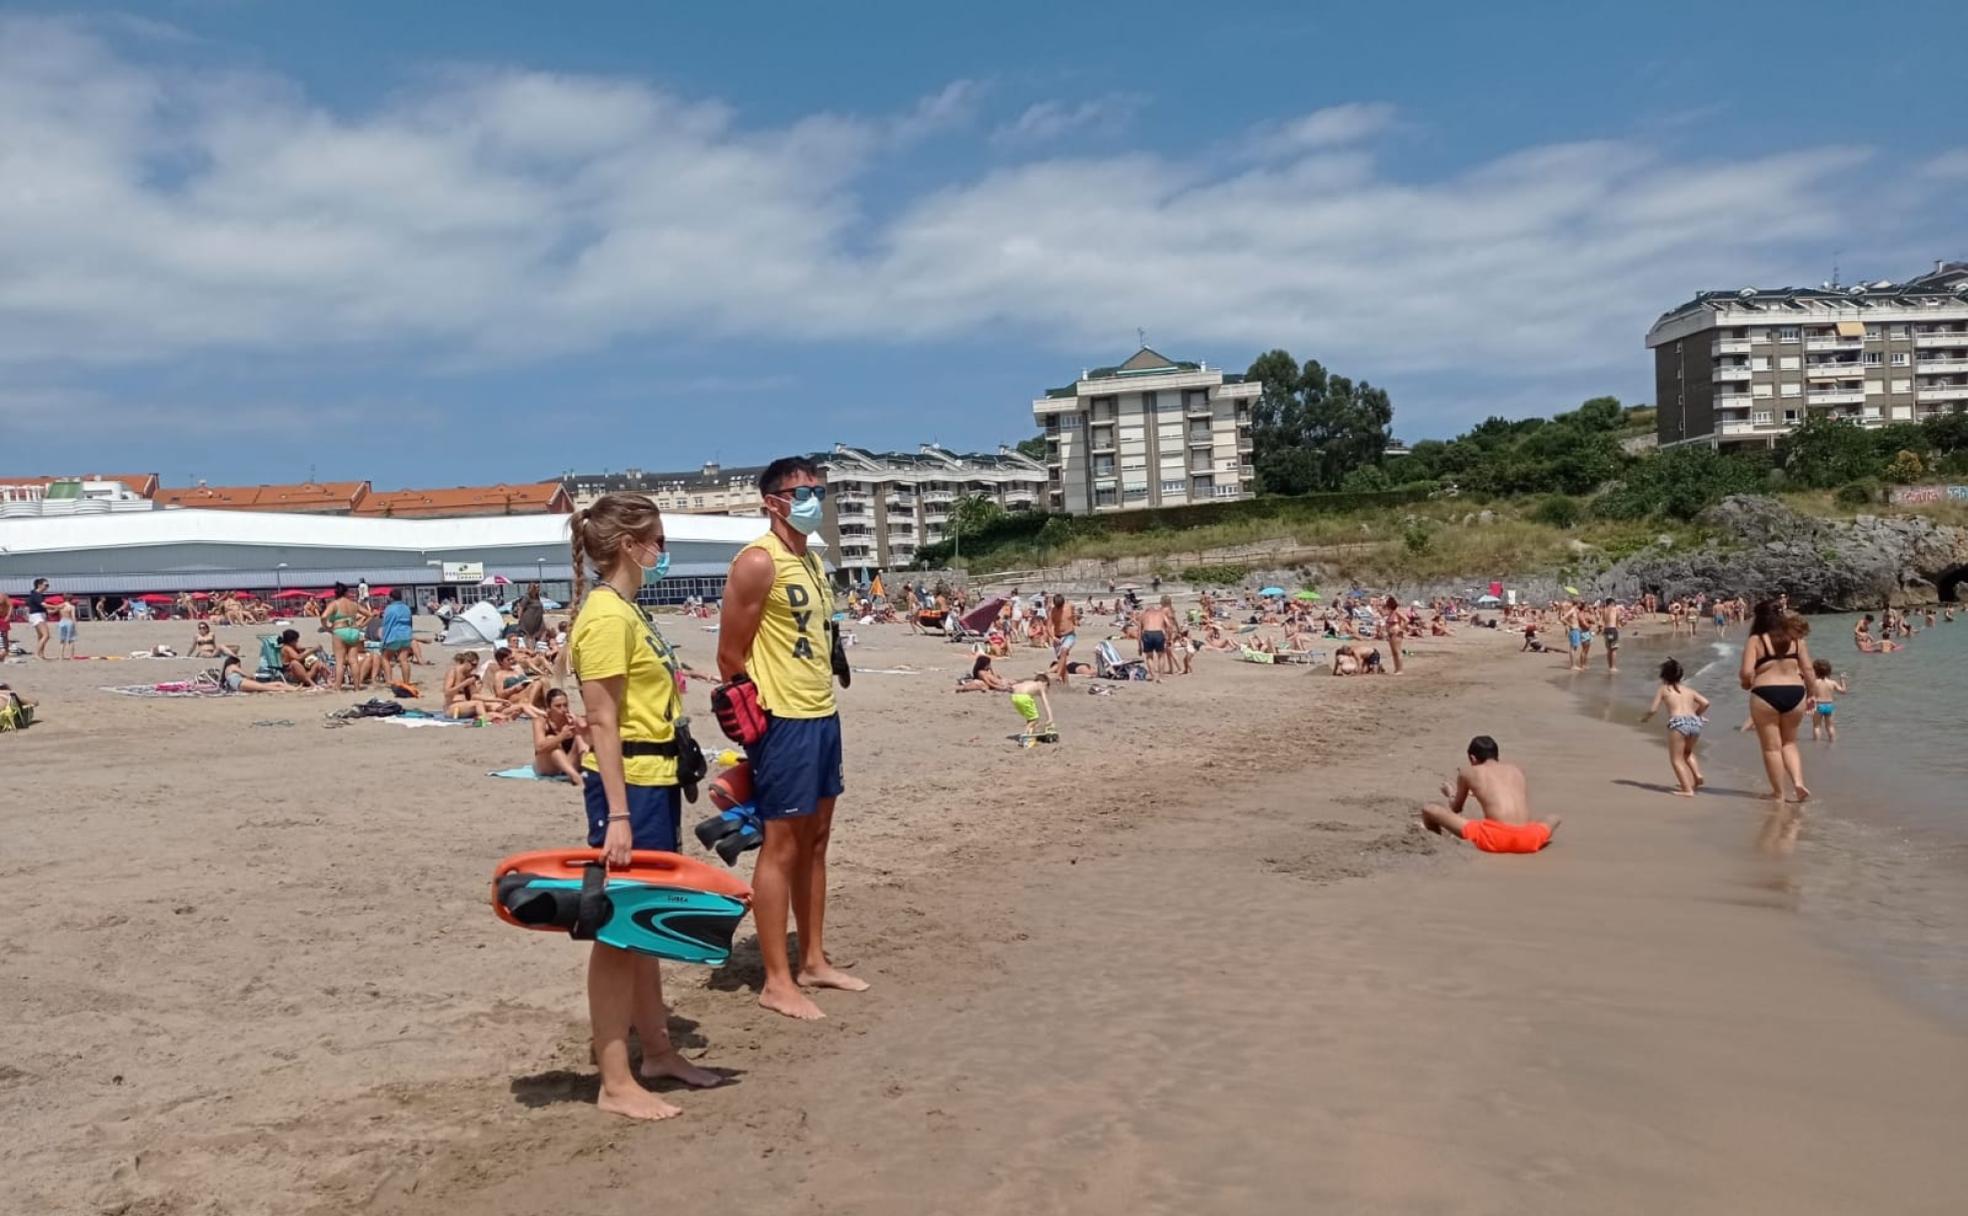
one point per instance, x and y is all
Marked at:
(1851, 329)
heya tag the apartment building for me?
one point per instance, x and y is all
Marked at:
(710, 490)
(1150, 432)
(883, 506)
(1746, 367)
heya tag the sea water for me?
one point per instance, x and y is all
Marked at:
(1878, 859)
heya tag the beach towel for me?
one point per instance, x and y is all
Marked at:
(170, 688)
(886, 671)
(525, 773)
(408, 720)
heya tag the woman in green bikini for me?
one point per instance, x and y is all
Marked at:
(343, 619)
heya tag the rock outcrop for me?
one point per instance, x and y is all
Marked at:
(1762, 547)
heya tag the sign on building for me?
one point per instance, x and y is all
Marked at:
(462, 572)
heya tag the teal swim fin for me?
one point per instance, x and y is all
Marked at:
(678, 923)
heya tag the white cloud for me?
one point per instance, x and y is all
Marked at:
(497, 214)
(1949, 166)
(1049, 120)
(1332, 127)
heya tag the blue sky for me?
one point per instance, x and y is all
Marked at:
(441, 243)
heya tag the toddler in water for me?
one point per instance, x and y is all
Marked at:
(1685, 708)
(1825, 690)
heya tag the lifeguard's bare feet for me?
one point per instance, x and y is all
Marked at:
(675, 1067)
(791, 1002)
(831, 976)
(635, 1102)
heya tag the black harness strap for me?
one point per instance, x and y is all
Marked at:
(595, 908)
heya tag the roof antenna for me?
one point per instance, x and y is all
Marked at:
(310, 472)
(1141, 336)
(1834, 266)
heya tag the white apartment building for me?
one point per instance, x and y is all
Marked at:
(710, 490)
(1748, 366)
(1151, 432)
(883, 506)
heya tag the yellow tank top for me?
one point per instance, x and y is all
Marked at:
(790, 660)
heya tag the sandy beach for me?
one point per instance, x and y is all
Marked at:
(1196, 957)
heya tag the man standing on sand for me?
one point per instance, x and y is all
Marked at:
(1504, 794)
(775, 655)
(1609, 628)
(1065, 624)
(1157, 624)
(1569, 617)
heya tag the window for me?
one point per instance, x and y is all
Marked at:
(1759, 417)
(697, 501)
(1787, 333)
(1103, 466)
(1171, 487)
(1900, 358)
(1874, 333)
(1105, 497)
(1137, 493)
(1875, 388)
(1759, 334)
(1899, 331)
(1760, 363)
(1792, 390)
(1200, 486)
(1871, 358)
(1902, 386)
(1760, 390)
(1148, 403)
(1790, 363)
(1790, 417)
(1072, 422)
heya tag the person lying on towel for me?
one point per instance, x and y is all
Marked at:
(1504, 794)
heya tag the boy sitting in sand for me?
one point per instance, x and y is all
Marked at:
(1685, 709)
(1825, 690)
(1504, 794)
(1026, 697)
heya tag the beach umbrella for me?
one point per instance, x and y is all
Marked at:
(201, 595)
(1571, 591)
(296, 594)
(157, 598)
(1308, 596)
(375, 592)
(244, 595)
(495, 580)
(982, 617)
(1272, 591)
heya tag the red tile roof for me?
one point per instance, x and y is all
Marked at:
(532, 498)
(324, 498)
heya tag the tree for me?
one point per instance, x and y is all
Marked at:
(1310, 428)
(1827, 452)
(1033, 448)
(970, 516)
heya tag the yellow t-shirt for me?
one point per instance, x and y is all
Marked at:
(611, 638)
(791, 659)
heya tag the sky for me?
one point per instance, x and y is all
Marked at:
(446, 243)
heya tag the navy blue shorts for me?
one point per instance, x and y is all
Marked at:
(655, 814)
(795, 765)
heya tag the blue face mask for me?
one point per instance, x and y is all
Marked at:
(654, 573)
(805, 516)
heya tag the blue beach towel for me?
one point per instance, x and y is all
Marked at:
(525, 773)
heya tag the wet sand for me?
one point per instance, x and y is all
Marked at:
(1195, 957)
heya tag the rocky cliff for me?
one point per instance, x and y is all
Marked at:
(1762, 547)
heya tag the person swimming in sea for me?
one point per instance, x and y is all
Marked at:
(1503, 792)
(1686, 714)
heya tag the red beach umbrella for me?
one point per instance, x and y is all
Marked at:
(156, 598)
(295, 594)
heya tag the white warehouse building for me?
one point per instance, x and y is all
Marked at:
(192, 550)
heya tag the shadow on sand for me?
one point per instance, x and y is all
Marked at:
(1658, 787)
(560, 1085)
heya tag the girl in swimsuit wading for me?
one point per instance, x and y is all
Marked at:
(1774, 664)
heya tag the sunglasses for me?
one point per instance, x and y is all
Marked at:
(802, 493)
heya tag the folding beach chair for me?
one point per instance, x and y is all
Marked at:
(1108, 664)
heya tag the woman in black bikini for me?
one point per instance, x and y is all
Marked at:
(1773, 665)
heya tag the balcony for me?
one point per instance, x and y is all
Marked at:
(1725, 373)
(1730, 346)
(1838, 397)
(1200, 439)
(1834, 344)
(1836, 370)
(1945, 392)
(1958, 337)
(1943, 364)
(1733, 401)
(1198, 409)
(1751, 428)
(933, 497)
(1244, 445)
(909, 500)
